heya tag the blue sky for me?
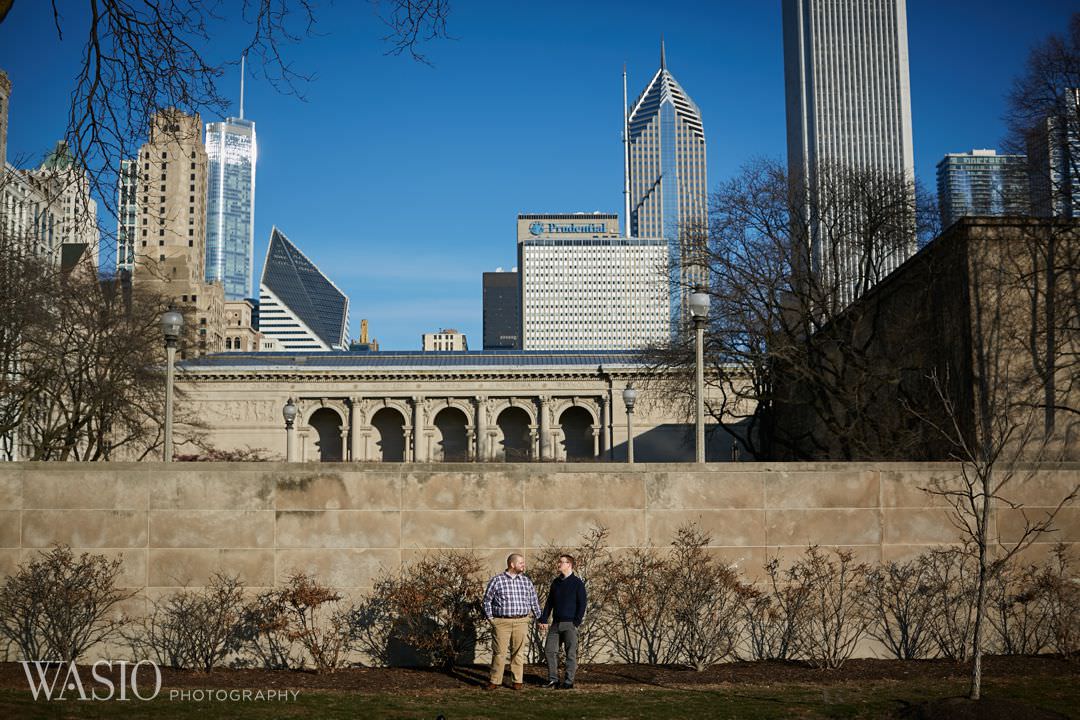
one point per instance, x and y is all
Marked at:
(402, 181)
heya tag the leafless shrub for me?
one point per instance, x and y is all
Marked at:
(1017, 610)
(316, 621)
(192, 629)
(1062, 591)
(640, 623)
(952, 574)
(263, 634)
(772, 614)
(58, 605)
(707, 607)
(834, 616)
(432, 607)
(901, 608)
(212, 454)
(591, 558)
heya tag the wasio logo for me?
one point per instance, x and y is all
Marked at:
(51, 680)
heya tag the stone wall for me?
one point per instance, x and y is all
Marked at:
(175, 525)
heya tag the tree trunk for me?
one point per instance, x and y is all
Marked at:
(983, 541)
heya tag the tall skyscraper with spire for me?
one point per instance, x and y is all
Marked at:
(666, 186)
(230, 204)
(848, 107)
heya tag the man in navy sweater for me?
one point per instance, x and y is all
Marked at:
(566, 599)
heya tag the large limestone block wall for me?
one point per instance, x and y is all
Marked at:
(174, 525)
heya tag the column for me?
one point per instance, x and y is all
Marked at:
(420, 450)
(595, 440)
(605, 414)
(358, 453)
(481, 424)
(407, 432)
(545, 428)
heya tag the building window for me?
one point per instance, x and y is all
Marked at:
(161, 233)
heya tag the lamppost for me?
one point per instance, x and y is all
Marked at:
(289, 413)
(172, 325)
(699, 310)
(629, 396)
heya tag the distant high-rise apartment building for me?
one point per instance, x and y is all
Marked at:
(502, 310)
(67, 189)
(127, 214)
(981, 183)
(1054, 161)
(299, 306)
(586, 287)
(848, 107)
(230, 204)
(170, 245)
(446, 340)
(667, 185)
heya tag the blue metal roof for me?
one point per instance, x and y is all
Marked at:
(416, 359)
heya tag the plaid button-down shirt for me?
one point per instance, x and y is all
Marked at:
(510, 596)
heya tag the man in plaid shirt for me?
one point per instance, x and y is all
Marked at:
(509, 599)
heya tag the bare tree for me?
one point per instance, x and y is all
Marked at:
(769, 303)
(1014, 402)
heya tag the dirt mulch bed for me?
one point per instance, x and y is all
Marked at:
(377, 680)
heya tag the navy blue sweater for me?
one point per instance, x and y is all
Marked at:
(567, 598)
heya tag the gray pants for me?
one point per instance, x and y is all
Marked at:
(565, 633)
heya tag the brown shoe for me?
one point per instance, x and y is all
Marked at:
(518, 686)
(491, 686)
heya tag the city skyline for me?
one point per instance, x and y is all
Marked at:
(539, 145)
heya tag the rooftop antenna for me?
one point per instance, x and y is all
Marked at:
(663, 60)
(626, 157)
(242, 58)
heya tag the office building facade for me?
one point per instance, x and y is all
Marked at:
(170, 244)
(848, 98)
(502, 310)
(446, 340)
(299, 306)
(981, 183)
(586, 287)
(127, 214)
(667, 179)
(230, 205)
(1054, 161)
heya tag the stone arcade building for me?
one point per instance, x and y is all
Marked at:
(432, 407)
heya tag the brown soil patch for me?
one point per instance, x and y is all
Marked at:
(379, 680)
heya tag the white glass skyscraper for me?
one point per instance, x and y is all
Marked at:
(230, 205)
(667, 177)
(848, 106)
(981, 183)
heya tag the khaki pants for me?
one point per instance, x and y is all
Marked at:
(508, 632)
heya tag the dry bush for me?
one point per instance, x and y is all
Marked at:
(1017, 609)
(263, 634)
(432, 607)
(772, 615)
(639, 624)
(57, 606)
(901, 607)
(834, 617)
(591, 558)
(316, 621)
(707, 606)
(952, 574)
(192, 629)
(1061, 587)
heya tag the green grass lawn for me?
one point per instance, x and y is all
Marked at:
(745, 702)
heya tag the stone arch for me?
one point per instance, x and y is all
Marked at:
(389, 425)
(576, 424)
(589, 405)
(327, 422)
(527, 406)
(515, 440)
(452, 425)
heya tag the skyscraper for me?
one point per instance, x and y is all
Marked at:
(502, 310)
(1054, 161)
(666, 177)
(298, 305)
(981, 183)
(127, 214)
(585, 287)
(170, 248)
(230, 204)
(849, 107)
